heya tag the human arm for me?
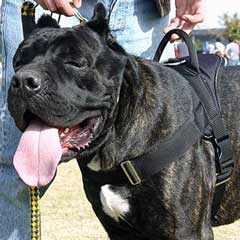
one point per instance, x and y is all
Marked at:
(188, 14)
(60, 6)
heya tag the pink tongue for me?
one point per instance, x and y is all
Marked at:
(38, 154)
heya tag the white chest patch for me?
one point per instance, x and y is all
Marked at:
(113, 204)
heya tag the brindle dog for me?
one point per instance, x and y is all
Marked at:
(108, 106)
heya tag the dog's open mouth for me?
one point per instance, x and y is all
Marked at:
(42, 147)
(78, 137)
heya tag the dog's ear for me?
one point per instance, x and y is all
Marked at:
(99, 22)
(47, 21)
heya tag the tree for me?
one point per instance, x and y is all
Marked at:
(232, 24)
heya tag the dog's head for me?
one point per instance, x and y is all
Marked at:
(63, 94)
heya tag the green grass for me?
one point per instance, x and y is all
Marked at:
(67, 215)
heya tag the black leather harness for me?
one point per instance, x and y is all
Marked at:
(202, 72)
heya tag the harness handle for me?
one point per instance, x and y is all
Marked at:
(185, 37)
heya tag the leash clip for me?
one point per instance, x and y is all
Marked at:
(77, 14)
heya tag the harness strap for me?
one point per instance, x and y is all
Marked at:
(219, 136)
(141, 168)
(220, 139)
(168, 152)
(187, 40)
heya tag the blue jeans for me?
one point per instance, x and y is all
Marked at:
(135, 24)
(14, 198)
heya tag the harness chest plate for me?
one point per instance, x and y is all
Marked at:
(205, 84)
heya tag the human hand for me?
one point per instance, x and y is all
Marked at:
(188, 14)
(64, 7)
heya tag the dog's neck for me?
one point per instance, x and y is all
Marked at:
(149, 111)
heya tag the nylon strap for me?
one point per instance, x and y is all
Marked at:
(187, 40)
(220, 138)
(143, 167)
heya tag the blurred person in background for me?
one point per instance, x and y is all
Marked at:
(219, 47)
(232, 52)
(211, 48)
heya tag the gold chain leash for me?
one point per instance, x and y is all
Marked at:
(35, 213)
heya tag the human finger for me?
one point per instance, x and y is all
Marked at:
(77, 3)
(48, 5)
(186, 26)
(194, 19)
(57, 6)
(42, 4)
(64, 7)
(179, 24)
(173, 24)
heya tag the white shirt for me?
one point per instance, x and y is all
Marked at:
(220, 48)
(232, 51)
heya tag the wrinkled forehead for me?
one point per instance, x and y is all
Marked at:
(59, 41)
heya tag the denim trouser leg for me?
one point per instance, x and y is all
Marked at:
(136, 24)
(14, 198)
(138, 27)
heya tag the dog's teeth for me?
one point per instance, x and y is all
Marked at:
(66, 130)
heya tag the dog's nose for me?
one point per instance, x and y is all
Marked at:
(32, 83)
(27, 80)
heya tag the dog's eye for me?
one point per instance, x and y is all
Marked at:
(74, 64)
(79, 64)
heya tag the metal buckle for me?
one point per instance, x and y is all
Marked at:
(215, 144)
(222, 182)
(130, 172)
